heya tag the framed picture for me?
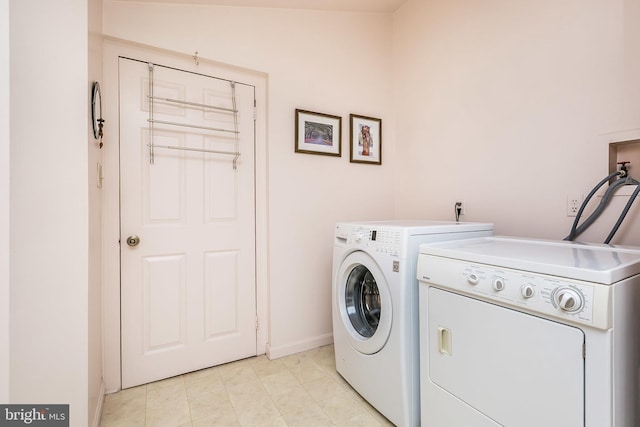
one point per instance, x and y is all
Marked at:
(318, 133)
(366, 140)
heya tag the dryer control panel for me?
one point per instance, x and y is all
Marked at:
(569, 300)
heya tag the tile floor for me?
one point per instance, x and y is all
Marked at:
(303, 389)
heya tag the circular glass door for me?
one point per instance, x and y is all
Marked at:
(364, 302)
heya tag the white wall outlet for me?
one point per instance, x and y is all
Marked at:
(574, 201)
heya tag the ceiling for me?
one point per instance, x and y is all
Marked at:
(383, 6)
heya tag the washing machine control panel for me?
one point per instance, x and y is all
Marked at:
(549, 296)
(377, 239)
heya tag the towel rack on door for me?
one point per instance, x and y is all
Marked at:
(153, 121)
(202, 150)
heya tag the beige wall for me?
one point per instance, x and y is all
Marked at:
(330, 62)
(48, 102)
(510, 106)
(95, 383)
(4, 201)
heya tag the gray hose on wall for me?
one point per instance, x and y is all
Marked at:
(577, 230)
(623, 214)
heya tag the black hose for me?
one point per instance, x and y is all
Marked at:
(606, 198)
(574, 228)
(623, 214)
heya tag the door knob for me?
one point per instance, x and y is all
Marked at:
(133, 240)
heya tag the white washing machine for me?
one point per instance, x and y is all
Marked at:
(375, 308)
(529, 333)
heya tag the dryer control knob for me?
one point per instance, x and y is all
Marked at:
(498, 284)
(527, 291)
(473, 279)
(569, 300)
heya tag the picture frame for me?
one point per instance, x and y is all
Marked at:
(365, 139)
(318, 133)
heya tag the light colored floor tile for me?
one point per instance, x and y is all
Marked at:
(278, 422)
(259, 412)
(215, 404)
(168, 416)
(322, 355)
(362, 419)
(307, 416)
(128, 394)
(167, 400)
(292, 399)
(264, 367)
(381, 419)
(203, 385)
(125, 407)
(296, 360)
(308, 372)
(279, 382)
(342, 407)
(169, 383)
(324, 388)
(247, 392)
(233, 374)
(373, 411)
(203, 373)
(221, 419)
(303, 390)
(123, 422)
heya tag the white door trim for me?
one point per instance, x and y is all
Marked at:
(114, 48)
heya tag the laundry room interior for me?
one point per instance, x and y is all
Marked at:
(512, 108)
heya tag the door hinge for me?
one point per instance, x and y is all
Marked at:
(257, 323)
(255, 111)
(584, 350)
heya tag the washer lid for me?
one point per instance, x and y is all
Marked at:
(598, 263)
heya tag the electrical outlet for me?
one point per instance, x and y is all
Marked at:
(573, 204)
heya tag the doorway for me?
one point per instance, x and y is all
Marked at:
(168, 315)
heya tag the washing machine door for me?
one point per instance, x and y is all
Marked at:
(363, 299)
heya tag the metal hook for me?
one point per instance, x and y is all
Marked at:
(195, 58)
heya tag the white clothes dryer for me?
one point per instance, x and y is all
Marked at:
(529, 333)
(375, 308)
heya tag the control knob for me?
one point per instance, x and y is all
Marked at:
(473, 279)
(498, 284)
(569, 300)
(527, 291)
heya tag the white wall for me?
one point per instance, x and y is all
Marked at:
(49, 204)
(510, 106)
(95, 382)
(330, 62)
(4, 201)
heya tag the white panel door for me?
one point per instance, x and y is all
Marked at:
(188, 286)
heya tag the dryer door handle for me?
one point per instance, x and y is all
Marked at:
(444, 341)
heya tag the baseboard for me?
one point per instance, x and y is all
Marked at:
(297, 347)
(98, 413)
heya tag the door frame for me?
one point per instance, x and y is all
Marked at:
(112, 50)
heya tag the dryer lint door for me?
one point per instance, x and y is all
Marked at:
(364, 303)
